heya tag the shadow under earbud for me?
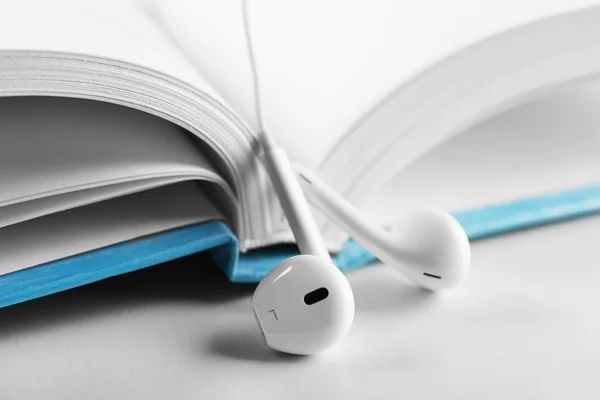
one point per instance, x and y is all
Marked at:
(246, 343)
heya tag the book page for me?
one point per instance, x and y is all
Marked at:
(50, 146)
(27, 210)
(212, 36)
(102, 224)
(324, 63)
(547, 146)
(116, 29)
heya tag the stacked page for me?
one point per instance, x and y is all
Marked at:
(86, 50)
(77, 175)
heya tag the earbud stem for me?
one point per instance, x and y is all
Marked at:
(344, 214)
(294, 204)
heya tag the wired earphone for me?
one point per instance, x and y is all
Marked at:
(305, 304)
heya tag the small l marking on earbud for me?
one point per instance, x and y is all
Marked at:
(432, 275)
(274, 314)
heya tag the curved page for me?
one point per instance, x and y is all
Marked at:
(50, 146)
(116, 29)
(324, 63)
(211, 35)
(26, 210)
(542, 148)
(102, 224)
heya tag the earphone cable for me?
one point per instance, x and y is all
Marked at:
(266, 139)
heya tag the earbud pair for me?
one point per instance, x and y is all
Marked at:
(305, 304)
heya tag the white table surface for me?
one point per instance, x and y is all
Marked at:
(524, 325)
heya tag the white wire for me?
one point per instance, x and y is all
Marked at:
(265, 137)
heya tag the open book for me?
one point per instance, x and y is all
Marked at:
(125, 119)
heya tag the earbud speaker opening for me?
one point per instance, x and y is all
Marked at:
(316, 296)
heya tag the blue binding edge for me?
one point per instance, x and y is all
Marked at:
(118, 259)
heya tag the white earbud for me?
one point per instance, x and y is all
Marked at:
(428, 246)
(304, 305)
